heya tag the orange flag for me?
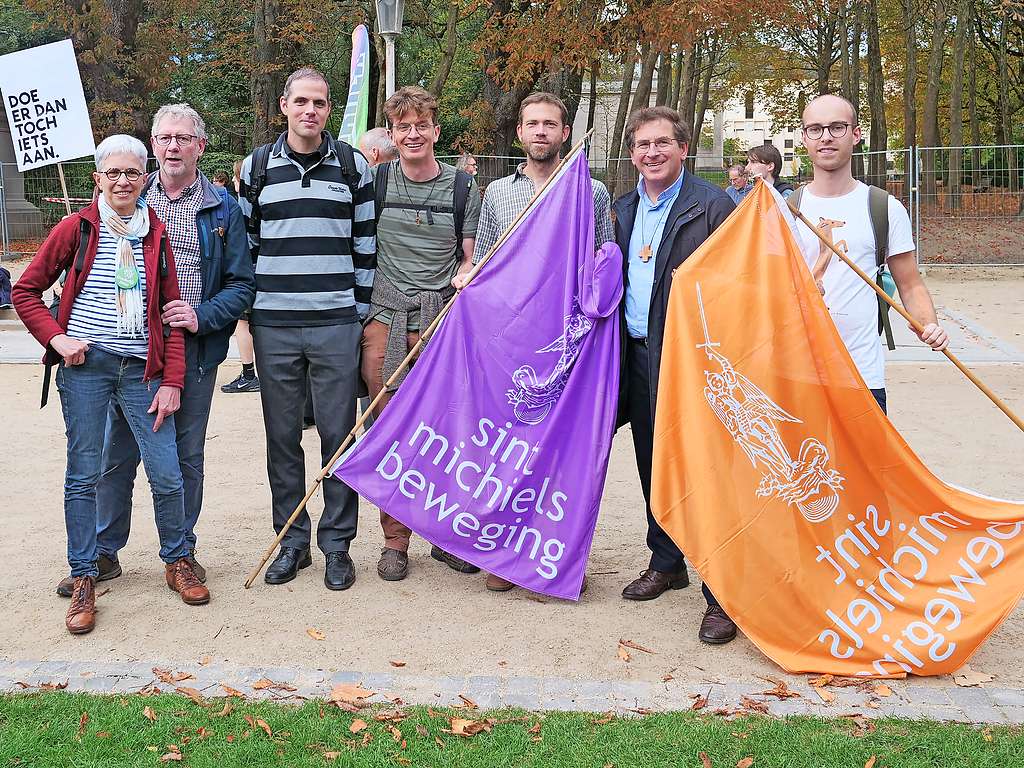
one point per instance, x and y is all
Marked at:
(816, 526)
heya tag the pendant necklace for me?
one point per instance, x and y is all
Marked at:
(647, 251)
(430, 193)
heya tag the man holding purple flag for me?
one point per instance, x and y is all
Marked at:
(504, 465)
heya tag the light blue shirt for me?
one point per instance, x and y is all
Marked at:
(648, 227)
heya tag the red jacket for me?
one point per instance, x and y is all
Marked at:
(165, 356)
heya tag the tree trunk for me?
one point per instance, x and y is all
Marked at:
(1005, 112)
(876, 98)
(691, 82)
(614, 149)
(930, 118)
(854, 97)
(504, 103)
(642, 95)
(664, 79)
(381, 59)
(451, 43)
(714, 54)
(845, 53)
(956, 115)
(972, 106)
(272, 56)
(677, 81)
(910, 75)
(595, 76)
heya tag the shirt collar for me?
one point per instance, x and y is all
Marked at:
(668, 194)
(187, 192)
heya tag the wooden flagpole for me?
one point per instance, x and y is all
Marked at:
(906, 316)
(64, 187)
(424, 336)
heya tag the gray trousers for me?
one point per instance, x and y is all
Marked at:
(329, 357)
(121, 460)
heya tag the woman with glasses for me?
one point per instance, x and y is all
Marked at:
(108, 341)
(766, 162)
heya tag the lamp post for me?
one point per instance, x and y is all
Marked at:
(389, 25)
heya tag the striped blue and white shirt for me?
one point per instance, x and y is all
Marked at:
(94, 313)
(314, 247)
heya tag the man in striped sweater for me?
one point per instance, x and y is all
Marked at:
(309, 213)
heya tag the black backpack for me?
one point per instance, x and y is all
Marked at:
(350, 176)
(5, 288)
(463, 182)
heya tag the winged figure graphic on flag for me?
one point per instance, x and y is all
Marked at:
(752, 419)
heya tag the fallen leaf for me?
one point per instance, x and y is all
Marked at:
(316, 634)
(353, 694)
(149, 714)
(705, 761)
(192, 693)
(440, 744)
(205, 661)
(623, 653)
(203, 732)
(228, 709)
(230, 738)
(53, 686)
(873, 703)
(826, 696)
(781, 690)
(635, 646)
(396, 663)
(986, 734)
(332, 755)
(967, 677)
(470, 704)
(753, 705)
(421, 731)
(232, 691)
(262, 724)
(823, 680)
(870, 763)
(357, 726)
(395, 733)
(746, 762)
(608, 717)
(666, 677)
(403, 760)
(171, 757)
(535, 729)
(106, 735)
(82, 723)
(699, 703)
(367, 738)
(883, 690)
(263, 684)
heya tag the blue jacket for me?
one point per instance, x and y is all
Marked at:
(229, 285)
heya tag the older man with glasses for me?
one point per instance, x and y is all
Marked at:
(216, 283)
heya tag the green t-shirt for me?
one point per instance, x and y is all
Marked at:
(416, 249)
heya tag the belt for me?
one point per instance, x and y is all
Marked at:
(642, 342)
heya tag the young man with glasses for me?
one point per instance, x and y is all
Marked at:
(427, 221)
(215, 278)
(657, 226)
(836, 199)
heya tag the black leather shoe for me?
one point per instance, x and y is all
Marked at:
(340, 573)
(287, 564)
(453, 562)
(652, 584)
(716, 628)
(109, 569)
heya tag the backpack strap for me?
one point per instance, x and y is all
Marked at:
(347, 159)
(258, 173)
(380, 188)
(79, 267)
(878, 213)
(462, 184)
(83, 245)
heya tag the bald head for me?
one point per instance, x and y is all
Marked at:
(829, 102)
(377, 146)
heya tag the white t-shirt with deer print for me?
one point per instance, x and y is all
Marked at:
(853, 304)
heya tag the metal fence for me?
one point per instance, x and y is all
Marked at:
(966, 203)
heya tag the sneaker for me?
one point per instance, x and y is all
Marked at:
(242, 384)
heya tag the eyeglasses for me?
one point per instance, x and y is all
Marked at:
(660, 144)
(114, 174)
(183, 139)
(421, 128)
(835, 130)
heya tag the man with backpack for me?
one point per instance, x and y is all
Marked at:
(308, 205)
(427, 218)
(215, 278)
(871, 227)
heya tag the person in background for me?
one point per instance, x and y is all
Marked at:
(247, 381)
(739, 185)
(221, 182)
(467, 163)
(766, 162)
(377, 146)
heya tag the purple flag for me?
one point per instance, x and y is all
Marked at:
(495, 447)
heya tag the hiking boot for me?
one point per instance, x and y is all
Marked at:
(109, 569)
(393, 564)
(242, 384)
(453, 562)
(183, 580)
(497, 584)
(81, 616)
(196, 567)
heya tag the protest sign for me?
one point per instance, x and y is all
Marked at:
(42, 93)
(495, 447)
(822, 534)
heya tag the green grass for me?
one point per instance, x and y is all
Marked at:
(46, 729)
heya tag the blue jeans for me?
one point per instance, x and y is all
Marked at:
(86, 391)
(121, 460)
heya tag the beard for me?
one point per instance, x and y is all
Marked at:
(541, 154)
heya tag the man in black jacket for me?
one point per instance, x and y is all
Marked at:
(658, 225)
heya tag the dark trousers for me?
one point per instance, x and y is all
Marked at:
(121, 459)
(328, 356)
(880, 398)
(665, 555)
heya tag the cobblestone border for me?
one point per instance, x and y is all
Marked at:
(910, 699)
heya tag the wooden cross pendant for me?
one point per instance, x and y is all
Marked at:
(645, 254)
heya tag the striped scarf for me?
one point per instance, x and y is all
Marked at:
(128, 298)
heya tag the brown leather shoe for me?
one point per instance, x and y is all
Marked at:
(497, 584)
(393, 564)
(81, 617)
(183, 580)
(652, 583)
(716, 628)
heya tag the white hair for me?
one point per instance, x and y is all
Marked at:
(378, 138)
(119, 144)
(183, 111)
